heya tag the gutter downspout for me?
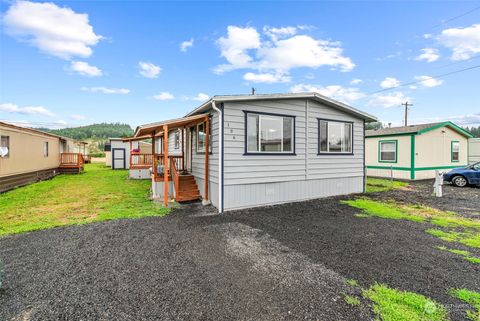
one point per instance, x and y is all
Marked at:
(220, 156)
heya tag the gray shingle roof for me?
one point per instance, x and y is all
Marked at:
(400, 130)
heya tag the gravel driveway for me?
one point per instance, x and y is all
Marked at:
(288, 262)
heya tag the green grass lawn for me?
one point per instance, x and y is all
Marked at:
(98, 194)
(382, 185)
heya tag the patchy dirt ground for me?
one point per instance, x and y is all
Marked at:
(462, 200)
(287, 262)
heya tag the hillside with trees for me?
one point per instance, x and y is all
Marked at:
(95, 135)
(94, 131)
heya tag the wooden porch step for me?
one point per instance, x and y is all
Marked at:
(187, 189)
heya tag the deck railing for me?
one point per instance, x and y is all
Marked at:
(141, 160)
(173, 160)
(71, 160)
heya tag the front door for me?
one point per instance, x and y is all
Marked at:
(118, 158)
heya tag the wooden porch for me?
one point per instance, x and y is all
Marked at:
(171, 168)
(71, 163)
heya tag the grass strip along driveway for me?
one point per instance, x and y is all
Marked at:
(98, 194)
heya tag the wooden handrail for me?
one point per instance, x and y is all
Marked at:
(175, 175)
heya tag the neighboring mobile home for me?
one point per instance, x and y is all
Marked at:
(28, 155)
(473, 150)
(254, 150)
(415, 152)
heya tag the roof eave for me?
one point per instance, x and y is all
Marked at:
(309, 95)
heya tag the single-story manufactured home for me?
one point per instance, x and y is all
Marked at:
(414, 152)
(244, 151)
(473, 150)
(28, 155)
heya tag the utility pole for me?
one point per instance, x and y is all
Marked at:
(406, 104)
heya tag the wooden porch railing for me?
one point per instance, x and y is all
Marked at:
(173, 160)
(141, 160)
(71, 160)
(175, 175)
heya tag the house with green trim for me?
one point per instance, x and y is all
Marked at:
(414, 152)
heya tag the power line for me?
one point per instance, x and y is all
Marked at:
(420, 81)
(454, 18)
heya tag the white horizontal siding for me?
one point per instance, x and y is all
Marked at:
(198, 159)
(251, 195)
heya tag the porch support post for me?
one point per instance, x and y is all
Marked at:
(154, 167)
(207, 148)
(130, 153)
(183, 149)
(165, 165)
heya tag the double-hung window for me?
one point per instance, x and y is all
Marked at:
(335, 137)
(177, 139)
(387, 151)
(455, 153)
(5, 146)
(269, 133)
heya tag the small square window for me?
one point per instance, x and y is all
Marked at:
(388, 151)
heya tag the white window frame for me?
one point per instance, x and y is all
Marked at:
(259, 147)
(328, 152)
(8, 144)
(380, 143)
(45, 149)
(201, 151)
(176, 140)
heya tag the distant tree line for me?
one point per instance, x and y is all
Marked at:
(475, 131)
(95, 132)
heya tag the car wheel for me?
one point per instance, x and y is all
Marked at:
(459, 181)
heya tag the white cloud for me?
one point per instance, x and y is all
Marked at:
(61, 123)
(105, 90)
(333, 91)
(428, 54)
(428, 81)
(464, 42)
(165, 95)
(303, 51)
(186, 44)
(282, 32)
(149, 70)
(280, 50)
(84, 69)
(266, 78)
(388, 100)
(201, 97)
(27, 110)
(427, 36)
(389, 82)
(234, 48)
(356, 81)
(58, 31)
(78, 117)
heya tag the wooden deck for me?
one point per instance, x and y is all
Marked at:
(71, 163)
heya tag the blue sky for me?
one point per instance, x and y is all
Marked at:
(69, 63)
